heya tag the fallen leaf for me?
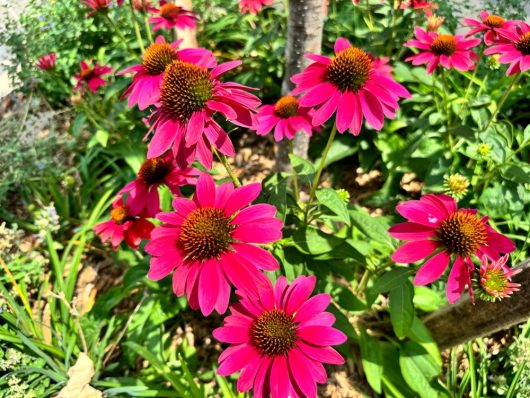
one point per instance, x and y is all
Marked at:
(79, 378)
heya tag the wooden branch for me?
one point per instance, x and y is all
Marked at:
(462, 322)
(304, 35)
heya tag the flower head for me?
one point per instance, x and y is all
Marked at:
(47, 61)
(142, 5)
(143, 191)
(169, 15)
(350, 83)
(436, 226)
(425, 6)
(253, 6)
(440, 49)
(96, 6)
(148, 76)
(190, 95)
(488, 23)
(514, 47)
(209, 242)
(123, 226)
(434, 22)
(495, 279)
(456, 185)
(91, 76)
(280, 339)
(286, 117)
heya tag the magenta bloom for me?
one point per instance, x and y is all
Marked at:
(286, 117)
(253, 6)
(280, 339)
(170, 15)
(495, 279)
(123, 226)
(143, 191)
(91, 77)
(145, 87)
(190, 95)
(351, 84)
(488, 23)
(210, 242)
(447, 50)
(96, 6)
(514, 47)
(47, 61)
(426, 6)
(436, 226)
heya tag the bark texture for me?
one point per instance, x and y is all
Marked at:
(464, 321)
(304, 35)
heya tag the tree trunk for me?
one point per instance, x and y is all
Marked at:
(188, 36)
(304, 35)
(464, 321)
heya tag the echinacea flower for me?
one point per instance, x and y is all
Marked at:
(169, 16)
(253, 6)
(456, 185)
(495, 279)
(143, 191)
(190, 95)
(96, 6)
(441, 49)
(514, 47)
(286, 117)
(147, 80)
(47, 62)
(434, 22)
(280, 339)
(352, 85)
(488, 23)
(210, 242)
(123, 226)
(426, 6)
(142, 5)
(437, 227)
(91, 76)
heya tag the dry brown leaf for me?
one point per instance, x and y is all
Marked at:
(79, 378)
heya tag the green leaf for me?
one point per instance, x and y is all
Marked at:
(421, 335)
(342, 147)
(427, 299)
(330, 198)
(375, 228)
(401, 308)
(419, 369)
(519, 173)
(311, 240)
(372, 360)
(391, 279)
(304, 169)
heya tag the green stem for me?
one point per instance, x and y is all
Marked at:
(503, 99)
(319, 170)
(136, 28)
(295, 175)
(118, 32)
(148, 30)
(26, 112)
(481, 49)
(447, 109)
(227, 167)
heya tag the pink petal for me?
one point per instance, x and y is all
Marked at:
(302, 373)
(432, 269)
(321, 335)
(248, 374)
(458, 277)
(414, 251)
(262, 231)
(312, 307)
(341, 44)
(254, 212)
(279, 381)
(237, 359)
(321, 354)
(372, 110)
(260, 257)
(208, 287)
(242, 197)
(298, 293)
(411, 231)
(205, 193)
(232, 334)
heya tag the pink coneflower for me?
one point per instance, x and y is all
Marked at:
(426, 6)
(91, 77)
(210, 242)
(434, 22)
(145, 87)
(190, 95)
(440, 49)
(280, 339)
(143, 5)
(170, 15)
(123, 226)
(253, 6)
(143, 191)
(488, 23)
(351, 84)
(495, 279)
(286, 117)
(46, 62)
(96, 6)
(514, 48)
(438, 227)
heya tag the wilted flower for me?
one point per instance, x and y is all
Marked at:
(440, 49)
(46, 62)
(434, 22)
(279, 340)
(426, 6)
(436, 226)
(495, 279)
(456, 185)
(351, 84)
